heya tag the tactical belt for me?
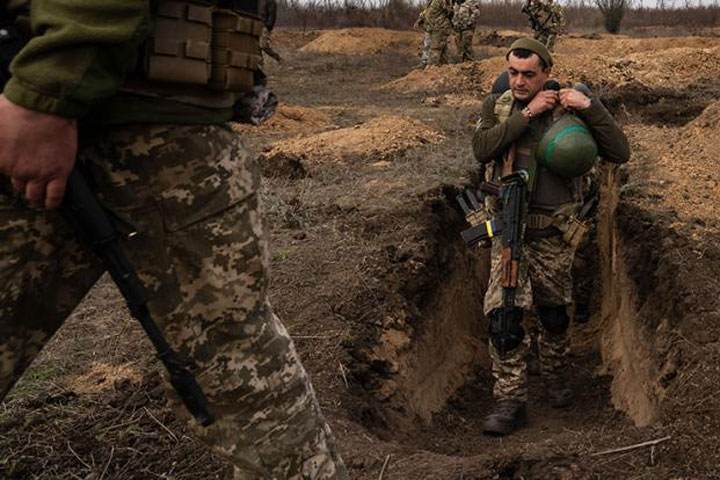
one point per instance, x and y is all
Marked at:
(204, 45)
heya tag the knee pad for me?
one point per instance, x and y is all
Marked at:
(515, 331)
(554, 319)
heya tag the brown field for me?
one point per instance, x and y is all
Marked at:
(362, 163)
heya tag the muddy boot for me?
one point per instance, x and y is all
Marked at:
(559, 394)
(506, 417)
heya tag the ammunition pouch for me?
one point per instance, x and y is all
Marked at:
(204, 45)
(563, 220)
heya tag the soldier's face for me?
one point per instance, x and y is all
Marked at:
(527, 77)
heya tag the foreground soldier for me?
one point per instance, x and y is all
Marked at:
(518, 120)
(547, 19)
(162, 161)
(465, 16)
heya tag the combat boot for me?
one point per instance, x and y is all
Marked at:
(559, 394)
(505, 417)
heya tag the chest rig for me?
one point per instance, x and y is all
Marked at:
(565, 216)
(212, 44)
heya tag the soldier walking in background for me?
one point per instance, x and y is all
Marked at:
(547, 19)
(437, 21)
(269, 14)
(465, 16)
(148, 126)
(515, 126)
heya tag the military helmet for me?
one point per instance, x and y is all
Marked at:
(567, 149)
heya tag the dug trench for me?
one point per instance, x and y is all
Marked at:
(424, 374)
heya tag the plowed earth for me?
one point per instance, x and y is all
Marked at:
(362, 164)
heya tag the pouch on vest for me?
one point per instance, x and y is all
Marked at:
(204, 45)
(179, 49)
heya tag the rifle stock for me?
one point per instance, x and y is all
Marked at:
(93, 227)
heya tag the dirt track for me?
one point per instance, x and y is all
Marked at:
(362, 164)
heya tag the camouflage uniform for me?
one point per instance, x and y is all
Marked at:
(202, 254)
(547, 20)
(192, 192)
(544, 278)
(437, 22)
(465, 15)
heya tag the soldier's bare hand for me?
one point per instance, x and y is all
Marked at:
(543, 101)
(572, 99)
(37, 152)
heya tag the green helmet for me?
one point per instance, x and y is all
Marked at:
(567, 149)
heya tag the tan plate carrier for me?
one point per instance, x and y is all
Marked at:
(204, 45)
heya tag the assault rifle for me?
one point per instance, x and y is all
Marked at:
(480, 232)
(514, 209)
(95, 229)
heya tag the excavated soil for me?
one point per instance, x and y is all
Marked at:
(362, 164)
(364, 41)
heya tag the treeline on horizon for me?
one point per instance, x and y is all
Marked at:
(401, 14)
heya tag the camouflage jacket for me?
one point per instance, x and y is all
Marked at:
(545, 16)
(437, 15)
(465, 15)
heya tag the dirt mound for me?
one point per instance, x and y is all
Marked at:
(454, 100)
(621, 45)
(104, 377)
(377, 139)
(676, 67)
(290, 119)
(293, 39)
(364, 41)
(459, 77)
(709, 118)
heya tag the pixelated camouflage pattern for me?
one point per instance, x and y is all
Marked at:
(201, 253)
(549, 21)
(553, 349)
(463, 43)
(465, 15)
(544, 274)
(266, 47)
(438, 47)
(510, 372)
(544, 278)
(437, 16)
(425, 49)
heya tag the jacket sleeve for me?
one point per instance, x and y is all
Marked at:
(612, 143)
(82, 52)
(492, 139)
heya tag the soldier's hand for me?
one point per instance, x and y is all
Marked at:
(37, 152)
(572, 99)
(543, 101)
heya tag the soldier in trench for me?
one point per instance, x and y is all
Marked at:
(519, 120)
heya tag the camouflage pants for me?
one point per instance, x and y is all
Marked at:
(438, 47)
(201, 253)
(547, 38)
(266, 46)
(545, 278)
(463, 42)
(425, 49)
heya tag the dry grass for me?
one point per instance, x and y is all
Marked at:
(401, 15)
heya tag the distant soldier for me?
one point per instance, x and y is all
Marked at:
(547, 19)
(437, 21)
(425, 47)
(465, 16)
(269, 13)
